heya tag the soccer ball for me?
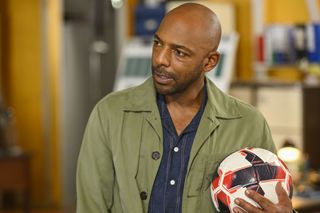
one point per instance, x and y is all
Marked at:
(250, 168)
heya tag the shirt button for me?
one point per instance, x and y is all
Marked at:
(176, 149)
(172, 182)
(143, 195)
(155, 155)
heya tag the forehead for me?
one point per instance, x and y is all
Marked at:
(183, 32)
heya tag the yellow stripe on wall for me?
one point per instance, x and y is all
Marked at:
(54, 18)
(24, 84)
(24, 89)
(286, 11)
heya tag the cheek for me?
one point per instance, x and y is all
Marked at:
(186, 68)
(182, 64)
(153, 56)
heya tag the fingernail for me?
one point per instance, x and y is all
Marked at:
(237, 201)
(248, 192)
(235, 210)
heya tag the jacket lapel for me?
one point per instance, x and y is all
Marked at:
(219, 107)
(145, 101)
(206, 127)
(155, 122)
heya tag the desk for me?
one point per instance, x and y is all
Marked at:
(15, 176)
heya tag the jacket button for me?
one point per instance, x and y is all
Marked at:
(155, 155)
(143, 195)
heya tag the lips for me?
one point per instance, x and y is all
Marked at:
(162, 78)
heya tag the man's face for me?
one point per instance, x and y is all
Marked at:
(177, 58)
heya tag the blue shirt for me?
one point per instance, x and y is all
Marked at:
(166, 195)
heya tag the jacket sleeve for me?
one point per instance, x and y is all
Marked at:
(95, 170)
(267, 138)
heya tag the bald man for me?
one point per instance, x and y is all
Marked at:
(156, 147)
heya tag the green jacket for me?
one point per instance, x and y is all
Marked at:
(115, 163)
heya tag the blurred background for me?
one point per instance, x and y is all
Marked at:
(59, 57)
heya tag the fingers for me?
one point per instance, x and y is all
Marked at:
(248, 207)
(283, 197)
(284, 204)
(238, 210)
(261, 200)
(282, 194)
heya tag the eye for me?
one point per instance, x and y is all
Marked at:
(156, 43)
(179, 53)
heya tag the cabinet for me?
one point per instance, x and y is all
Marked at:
(292, 111)
(15, 176)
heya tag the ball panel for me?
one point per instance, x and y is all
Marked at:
(233, 161)
(266, 172)
(263, 155)
(215, 182)
(214, 195)
(241, 177)
(251, 157)
(223, 201)
(283, 164)
(269, 187)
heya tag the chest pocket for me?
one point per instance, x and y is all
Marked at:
(201, 175)
(204, 167)
(196, 177)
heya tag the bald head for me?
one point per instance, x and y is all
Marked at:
(199, 20)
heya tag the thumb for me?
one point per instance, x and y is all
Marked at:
(281, 192)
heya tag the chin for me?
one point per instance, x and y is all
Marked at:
(162, 89)
(166, 91)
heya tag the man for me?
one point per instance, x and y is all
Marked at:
(156, 147)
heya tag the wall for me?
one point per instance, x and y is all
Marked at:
(286, 11)
(28, 93)
(51, 72)
(24, 84)
(243, 26)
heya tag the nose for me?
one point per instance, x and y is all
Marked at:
(162, 56)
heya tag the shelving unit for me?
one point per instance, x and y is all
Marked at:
(286, 44)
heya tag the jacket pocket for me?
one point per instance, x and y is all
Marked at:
(196, 178)
(210, 173)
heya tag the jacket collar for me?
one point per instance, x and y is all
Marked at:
(219, 105)
(144, 98)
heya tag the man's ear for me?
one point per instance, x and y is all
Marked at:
(211, 61)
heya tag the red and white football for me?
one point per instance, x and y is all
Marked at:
(250, 168)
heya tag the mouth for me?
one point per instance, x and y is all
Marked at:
(161, 78)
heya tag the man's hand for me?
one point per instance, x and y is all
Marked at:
(284, 205)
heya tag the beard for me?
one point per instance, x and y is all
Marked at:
(179, 83)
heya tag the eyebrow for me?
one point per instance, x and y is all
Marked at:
(175, 45)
